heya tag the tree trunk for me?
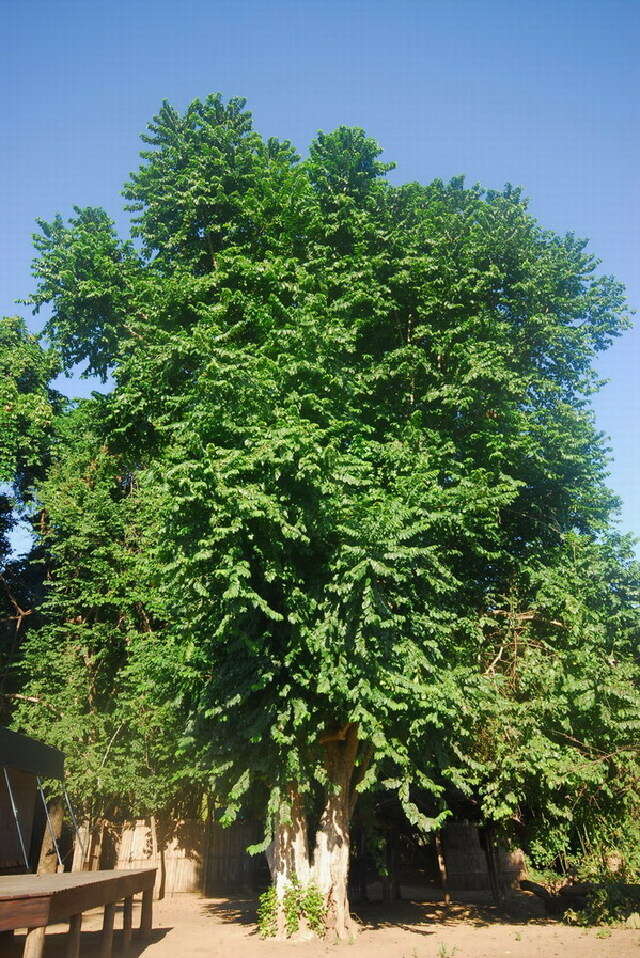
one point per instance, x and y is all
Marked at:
(48, 862)
(487, 840)
(288, 854)
(157, 852)
(442, 868)
(331, 856)
(81, 848)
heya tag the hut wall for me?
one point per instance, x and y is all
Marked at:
(229, 866)
(465, 858)
(190, 856)
(177, 851)
(466, 861)
(24, 791)
(194, 856)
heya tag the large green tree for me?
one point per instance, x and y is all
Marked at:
(359, 413)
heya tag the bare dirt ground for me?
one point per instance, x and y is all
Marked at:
(186, 926)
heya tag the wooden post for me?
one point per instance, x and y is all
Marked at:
(73, 936)
(146, 915)
(107, 930)
(127, 914)
(442, 868)
(34, 945)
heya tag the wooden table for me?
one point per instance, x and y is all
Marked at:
(35, 901)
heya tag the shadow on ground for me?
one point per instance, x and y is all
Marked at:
(90, 943)
(419, 913)
(239, 911)
(415, 914)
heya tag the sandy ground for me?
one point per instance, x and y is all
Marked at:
(187, 925)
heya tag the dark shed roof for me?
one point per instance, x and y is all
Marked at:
(29, 755)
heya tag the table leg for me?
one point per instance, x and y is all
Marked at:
(146, 916)
(73, 937)
(34, 945)
(107, 930)
(127, 914)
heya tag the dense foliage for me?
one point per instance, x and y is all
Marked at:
(559, 743)
(27, 410)
(347, 478)
(86, 663)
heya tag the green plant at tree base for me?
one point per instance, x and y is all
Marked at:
(313, 908)
(268, 913)
(299, 902)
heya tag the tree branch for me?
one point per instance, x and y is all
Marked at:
(31, 698)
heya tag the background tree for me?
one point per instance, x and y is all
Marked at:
(359, 414)
(87, 667)
(557, 747)
(27, 409)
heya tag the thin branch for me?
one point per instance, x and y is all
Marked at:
(601, 756)
(528, 616)
(491, 667)
(108, 748)
(338, 736)
(31, 698)
(20, 612)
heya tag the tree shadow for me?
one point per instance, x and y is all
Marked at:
(468, 908)
(240, 910)
(417, 914)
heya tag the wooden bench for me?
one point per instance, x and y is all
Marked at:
(35, 901)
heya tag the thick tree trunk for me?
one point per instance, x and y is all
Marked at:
(331, 855)
(288, 854)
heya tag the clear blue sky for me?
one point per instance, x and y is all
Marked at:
(543, 94)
